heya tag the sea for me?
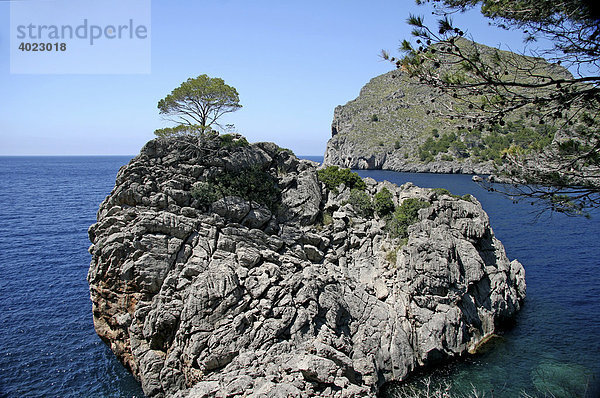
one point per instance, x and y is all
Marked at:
(48, 346)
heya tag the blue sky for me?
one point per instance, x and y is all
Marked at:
(291, 61)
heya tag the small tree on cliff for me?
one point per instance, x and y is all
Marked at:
(198, 103)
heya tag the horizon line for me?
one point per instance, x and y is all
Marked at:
(90, 155)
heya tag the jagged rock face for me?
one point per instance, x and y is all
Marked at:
(385, 125)
(404, 110)
(237, 299)
(395, 113)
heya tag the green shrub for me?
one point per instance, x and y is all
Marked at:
(489, 145)
(383, 202)
(374, 118)
(286, 150)
(206, 192)
(333, 177)
(324, 219)
(233, 141)
(444, 191)
(406, 214)
(252, 184)
(180, 130)
(392, 255)
(361, 203)
(431, 147)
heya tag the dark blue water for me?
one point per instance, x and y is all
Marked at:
(48, 347)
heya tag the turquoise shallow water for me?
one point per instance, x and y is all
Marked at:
(48, 347)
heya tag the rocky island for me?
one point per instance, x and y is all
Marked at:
(222, 268)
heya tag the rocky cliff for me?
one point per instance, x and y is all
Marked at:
(202, 293)
(399, 123)
(386, 124)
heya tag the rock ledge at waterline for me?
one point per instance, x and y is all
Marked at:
(239, 299)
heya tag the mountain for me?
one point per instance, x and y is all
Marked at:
(399, 123)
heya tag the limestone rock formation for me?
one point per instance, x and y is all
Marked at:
(298, 297)
(389, 124)
(384, 127)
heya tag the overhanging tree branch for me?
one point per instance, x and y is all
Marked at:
(492, 90)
